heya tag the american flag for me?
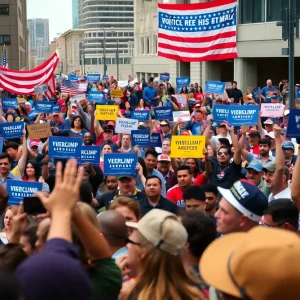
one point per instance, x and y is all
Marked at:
(23, 82)
(197, 32)
(69, 87)
(3, 58)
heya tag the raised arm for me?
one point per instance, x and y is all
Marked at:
(23, 158)
(295, 191)
(237, 148)
(97, 126)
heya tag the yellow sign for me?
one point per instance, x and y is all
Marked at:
(116, 93)
(21, 99)
(187, 146)
(107, 112)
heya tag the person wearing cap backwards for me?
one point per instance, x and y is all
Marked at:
(241, 207)
(154, 259)
(257, 265)
(127, 187)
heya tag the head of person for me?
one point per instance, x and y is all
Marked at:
(251, 265)
(269, 83)
(55, 117)
(264, 146)
(28, 238)
(88, 139)
(9, 286)
(11, 256)
(211, 151)
(184, 90)
(154, 253)
(108, 132)
(198, 116)
(126, 141)
(184, 176)
(12, 149)
(240, 208)
(269, 125)
(253, 137)
(77, 123)
(127, 184)
(166, 146)
(106, 148)
(10, 117)
(5, 164)
(224, 155)
(201, 231)
(281, 213)
(234, 84)
(111, 182)
(151, 159)
(163, 163)
(34, 146)
(194, 198)
(141, 103)
(153, 187)
(165, 126)
(194, 166)
(32, 170)
(223, 142)
(269, 172)
(8, 215)
(42, 233)
(222, 130)
(254, 172)
(211, 197)
(288, 150)
(199, 89)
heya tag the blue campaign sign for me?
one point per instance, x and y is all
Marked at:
(140, 138)
(98, 97)
(64, 147)
(18, 190)
(215, 87)
(243, 115)
(141, 115)
(12, 130)
(105, 77)
(43, 107)
(163, 113)
(293, 128)
(220, 112)
(298, 93)
(90, 154)
(256, 93)
(120, 164)
(1, 144)
(56, 108)
(9, 103)
(33, 113)
(164, 77)
(155, 140)
(182, 81)
(93, 78)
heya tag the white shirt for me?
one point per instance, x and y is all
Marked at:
(3, 237)
(286, 193)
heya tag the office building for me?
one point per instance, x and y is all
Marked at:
(14, 33)
(259, 44)
(39, 39)
(75, 13)
(108, 36)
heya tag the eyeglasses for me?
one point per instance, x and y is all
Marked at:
(223, 153)
(129, 241)
(272, 226)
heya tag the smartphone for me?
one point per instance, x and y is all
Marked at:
(33, 206)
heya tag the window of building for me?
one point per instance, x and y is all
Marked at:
(94, 61)
(155, 44)
(4, 9)
(142, 46)
(147, 45)
(5, 39)
(252, 11)
(274, 10)
(87, 61)
(126, 60)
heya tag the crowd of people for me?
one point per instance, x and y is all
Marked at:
(221, 226)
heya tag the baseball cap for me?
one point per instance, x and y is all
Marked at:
(108, 128)
(163, 157)
(271, 135)
(271, 167)
(286, 112)
(221, 125)
(255, 165)
(247, 199)
(163, 230)
(269, 122)
(288, 145)
(125, 176)
(111, 123)
(252, 263)
(198, 105)
(253, 133)
(33, 144)
(163, 123)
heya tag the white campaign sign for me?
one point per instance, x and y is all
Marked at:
(184, 115)
(124, 125)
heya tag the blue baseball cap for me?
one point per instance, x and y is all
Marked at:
(288, 145)
(247, 199)
(255, 165)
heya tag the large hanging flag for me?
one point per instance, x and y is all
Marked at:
(23, 82)
(3, 62)
(197, 32)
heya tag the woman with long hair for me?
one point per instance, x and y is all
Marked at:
(21, 112)
(8, 214)
(78, 128)
(194, 166)
(198, 95)
(142, 105)
(106, 148)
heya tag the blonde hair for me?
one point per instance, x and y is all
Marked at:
(163, 276)
(89, 213)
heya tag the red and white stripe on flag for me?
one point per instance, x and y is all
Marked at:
(23, 82)
(197, 32)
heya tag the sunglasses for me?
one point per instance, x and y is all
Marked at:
(129, 241)
(223, 153)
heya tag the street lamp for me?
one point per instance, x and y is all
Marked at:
(117, 53)
(104, 52)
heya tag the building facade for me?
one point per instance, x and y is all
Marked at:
(38, 39)
(14, 33)
(108, 36)
(75, 14)
(259, 44)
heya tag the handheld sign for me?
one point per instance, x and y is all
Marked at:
(155, 140)
(98, 97)
(120, 164)
(90, 154)
(298, 93)
(187, 146)
(183, 115)
(56, 108)
(220, 112)
(243, 115)
(1, 144)
(93, 78)
(41, 89)
(182, 81)
(43, 107)
(141, 115)
(164, 77)
(9, 103)
(18, 190)
(78, 97)
(124, 125)
(293, 128)
(64, 147)
(12, 130)
(140, 138)
(181, 99)
(116, 93)
(272, 110)
(256, 93)
(163, 113)
(39, 131)
(215, 87)
(107, 112)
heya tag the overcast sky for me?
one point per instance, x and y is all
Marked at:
(59, 13)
